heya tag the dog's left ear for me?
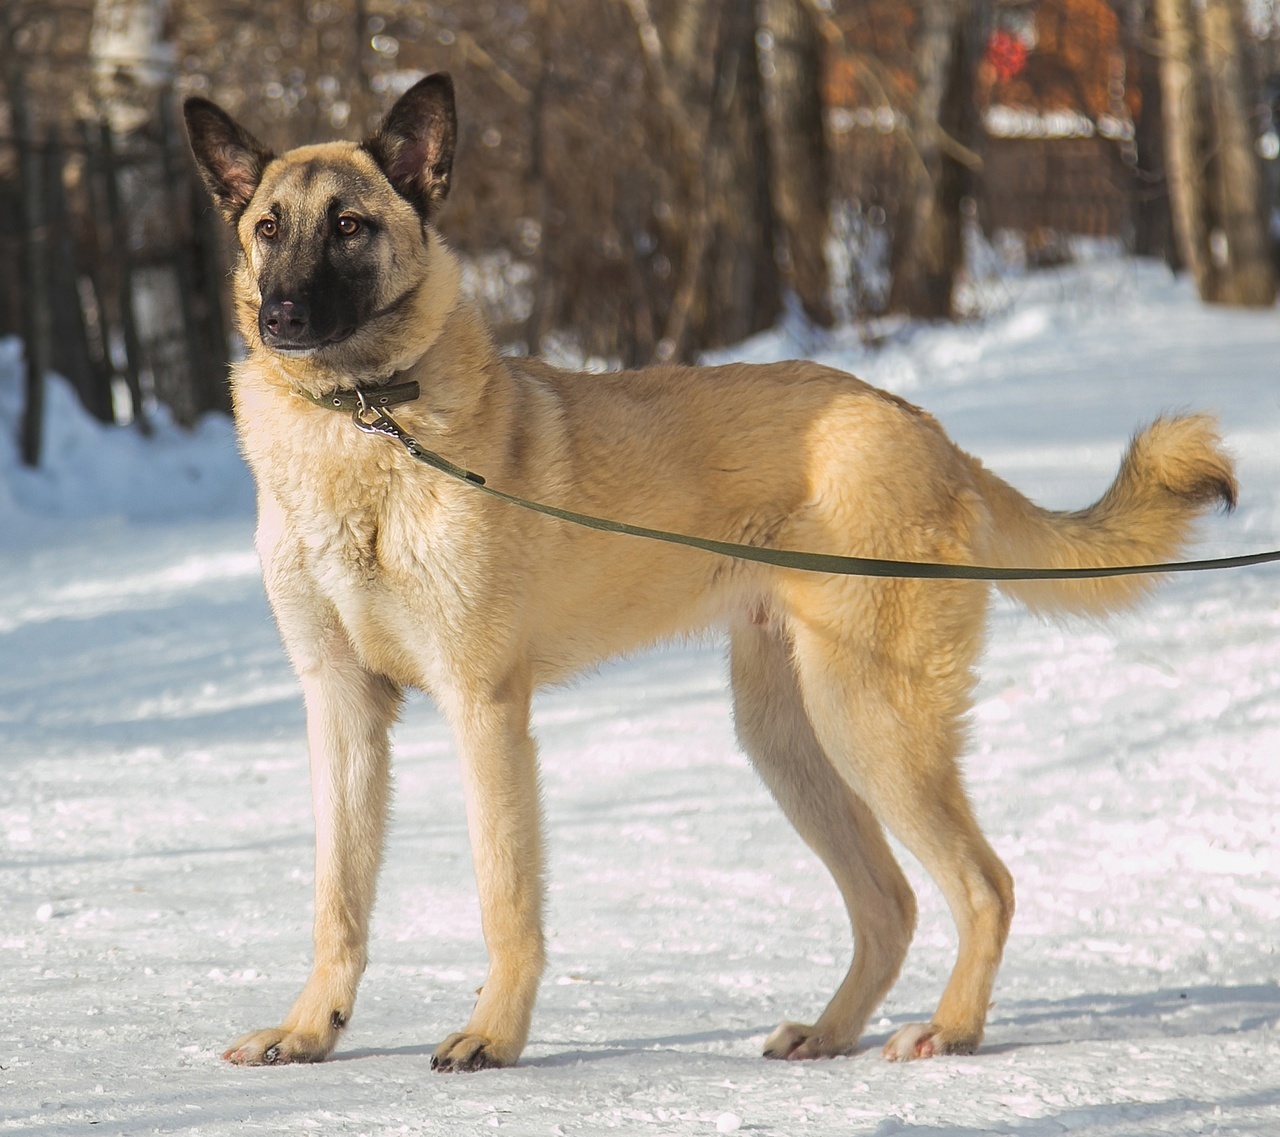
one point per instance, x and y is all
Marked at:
(414, 145)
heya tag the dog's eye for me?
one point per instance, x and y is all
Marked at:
(268, 228)
(348, 226)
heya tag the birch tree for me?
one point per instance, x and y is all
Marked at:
(131, 58)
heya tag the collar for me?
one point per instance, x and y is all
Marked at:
(361, 397)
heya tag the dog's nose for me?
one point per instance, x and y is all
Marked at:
(284, 320)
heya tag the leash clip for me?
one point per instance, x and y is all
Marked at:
(380, 423)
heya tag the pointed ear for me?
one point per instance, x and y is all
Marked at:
(229, 158)
(414, 145)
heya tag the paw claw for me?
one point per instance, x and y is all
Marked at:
(781, 1044)
(277, 1048)
(797, 1042)
(466, 1053)
(911, 1041)
(924, 1040)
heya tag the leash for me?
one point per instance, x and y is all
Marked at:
(369, 413)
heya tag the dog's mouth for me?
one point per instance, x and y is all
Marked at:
(309, 346)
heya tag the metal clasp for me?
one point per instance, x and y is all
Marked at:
(380, 423)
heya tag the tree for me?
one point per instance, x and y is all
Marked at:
(131, 60)
(1247, 276)
(704, 74)
(791, 67)
(1153, 234)
(1214, 182)
(928, 247)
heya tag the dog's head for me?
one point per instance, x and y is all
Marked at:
(335, 237)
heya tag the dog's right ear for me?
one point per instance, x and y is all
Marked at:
(229, 158)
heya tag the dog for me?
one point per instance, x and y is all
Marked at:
(849, 693)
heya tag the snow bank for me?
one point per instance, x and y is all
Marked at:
(89, 469)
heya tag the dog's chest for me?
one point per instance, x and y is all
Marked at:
(360, 532)
(365, 563)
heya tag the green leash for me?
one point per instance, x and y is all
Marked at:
(369, 413)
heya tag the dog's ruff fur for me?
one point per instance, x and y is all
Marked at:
(849, 694)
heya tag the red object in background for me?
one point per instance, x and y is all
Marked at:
(1007, 54)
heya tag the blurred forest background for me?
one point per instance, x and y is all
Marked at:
(637, 180)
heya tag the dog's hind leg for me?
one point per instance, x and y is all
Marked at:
(890, 715)
(775, 731)
(504, 820)
(350, 711)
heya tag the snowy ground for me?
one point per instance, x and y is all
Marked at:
(155, 860)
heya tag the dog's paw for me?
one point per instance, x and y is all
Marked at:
(278, 1048)
(463, 1052)
(924, 1040)
(796, 1042)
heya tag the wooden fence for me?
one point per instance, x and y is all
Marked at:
(118, 271)
(1069, 185)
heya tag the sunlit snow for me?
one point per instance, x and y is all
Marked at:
(155, 830)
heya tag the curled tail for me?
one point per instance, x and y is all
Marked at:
(1173, 472)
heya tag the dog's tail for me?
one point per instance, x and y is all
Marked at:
(1173, 471)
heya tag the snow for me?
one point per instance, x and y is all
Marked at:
(155, 833)
(94, 474)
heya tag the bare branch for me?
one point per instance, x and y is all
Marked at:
(476, 54)
(655, 61)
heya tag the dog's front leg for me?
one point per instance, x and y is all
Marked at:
(349, 715)
(504, 820)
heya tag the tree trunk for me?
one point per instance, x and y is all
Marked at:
(1186, 131)
(70, 354)
(536, 325)
(132, 60)
(1152, 217)
(37, 320)
(1246, 277)
(706, 74)
(1214, 182)
(791, 70)
(118, 228)
(34, 264)
(928, 247)
(743, 288)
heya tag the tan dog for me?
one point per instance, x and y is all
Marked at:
(849, 693)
